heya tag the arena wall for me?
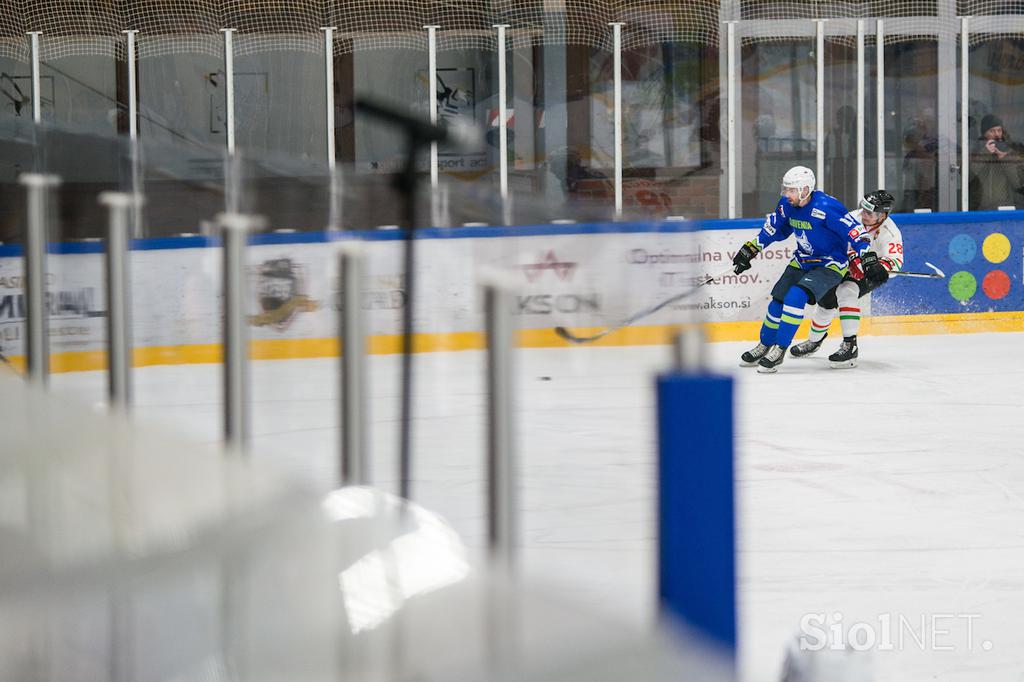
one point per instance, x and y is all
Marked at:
(579, 276)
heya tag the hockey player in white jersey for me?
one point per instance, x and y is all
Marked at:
(870, 271)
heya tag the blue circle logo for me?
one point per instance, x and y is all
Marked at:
(962, 249)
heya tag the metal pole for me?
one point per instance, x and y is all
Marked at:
(133, 107)
(690, 349)
(617, 111)
(502, 528)
(37, 345)
(119, 319)
(37, 102)
(235, 230)
(334, 196)
(965, 131)
(229, 86)
(233, 172)
(880, 97)
(432, 97)
(860, 109)
(135, 229)
(354, 454)
(945, 153)
(502, 114)
(819, 54)
(408, 331)
(137, 183)
(329, 102)
(731, 115)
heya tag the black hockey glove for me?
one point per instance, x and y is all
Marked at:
(874, 272)
(743, 257)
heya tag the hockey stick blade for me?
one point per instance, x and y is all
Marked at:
(940, 273)
(576, 338)
(922, 275)
(573, 338)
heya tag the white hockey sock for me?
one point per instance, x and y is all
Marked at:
(820, 322)
(849, 308)
(849, 319)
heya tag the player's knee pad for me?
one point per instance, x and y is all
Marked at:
(796, 297)
(807, 292)
(847, 293)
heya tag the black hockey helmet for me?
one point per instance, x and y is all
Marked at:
(878, 201)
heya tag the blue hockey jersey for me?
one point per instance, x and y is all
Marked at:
(823, 229)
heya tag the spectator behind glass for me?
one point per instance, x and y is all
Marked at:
(841, 153)
(920, 164)
(996, 176)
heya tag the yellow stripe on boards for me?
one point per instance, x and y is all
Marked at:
(627, 336)
(389, 344)
(964, 323)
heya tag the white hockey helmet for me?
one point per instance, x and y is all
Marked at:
(799, 177)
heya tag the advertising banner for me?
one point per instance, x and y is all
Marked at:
(983, 263)
(574, 276)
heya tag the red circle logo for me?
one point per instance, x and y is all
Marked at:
(996, 284)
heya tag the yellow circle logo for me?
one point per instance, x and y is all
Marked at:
(996, 247)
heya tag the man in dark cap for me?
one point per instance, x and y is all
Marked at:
(995, 168)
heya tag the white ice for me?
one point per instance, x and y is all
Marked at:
(893, 492)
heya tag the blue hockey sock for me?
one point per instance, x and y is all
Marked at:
(770, 326)
(792, 315)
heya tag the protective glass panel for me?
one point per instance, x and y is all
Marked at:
(840, 177)
(280, 97)
(911, 125)
(16, 133)
(669, 130)
(182, 132)
(995, 124)
(778, 126)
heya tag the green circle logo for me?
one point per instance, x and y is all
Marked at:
(962, 286)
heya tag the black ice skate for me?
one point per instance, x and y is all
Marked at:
(769, 364)
(846, 356)
(802, 350)
(750, 357)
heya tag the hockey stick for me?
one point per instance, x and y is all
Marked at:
(576, 338)
(938, 274)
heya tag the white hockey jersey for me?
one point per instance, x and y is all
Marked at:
(886, 241)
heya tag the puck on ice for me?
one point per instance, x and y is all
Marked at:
(544, 378)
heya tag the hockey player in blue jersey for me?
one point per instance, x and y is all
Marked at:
(823, 229)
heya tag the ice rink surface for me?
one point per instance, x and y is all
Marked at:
(889, 498)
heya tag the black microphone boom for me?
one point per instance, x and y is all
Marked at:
(419, 134)
(417, 127)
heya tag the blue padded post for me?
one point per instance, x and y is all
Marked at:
(696, 518)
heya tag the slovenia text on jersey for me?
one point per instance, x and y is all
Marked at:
(823, 229)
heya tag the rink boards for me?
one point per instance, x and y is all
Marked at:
(580, 276)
